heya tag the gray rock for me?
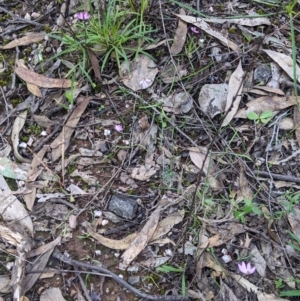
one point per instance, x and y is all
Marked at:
(262, 74)
(134, 279)
(102, 146)
(123, 206)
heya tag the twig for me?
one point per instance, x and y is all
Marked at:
(58, 255)
(276, 176)
(85, 291)
(19, 19)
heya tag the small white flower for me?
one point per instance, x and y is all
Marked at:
(22, 145)
(98, 252)
(145, 83)
(106, 132)
(97, 213)
(44, 133)
(104, 222)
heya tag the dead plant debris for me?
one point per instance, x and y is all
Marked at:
(149, 150)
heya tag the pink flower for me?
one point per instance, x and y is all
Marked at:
(118, 127)
(194, 29)
(246, 269)
(83, 15)
(145, 83)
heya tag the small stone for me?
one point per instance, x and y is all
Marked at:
(262, 74)
(101, 146)
(35, 15)
(123, 206)
(134, 279)
(48, 49)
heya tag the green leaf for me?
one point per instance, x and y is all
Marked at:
(264, 121)
(266, 114)
(294, 293)
(167, 268)
(252, 116)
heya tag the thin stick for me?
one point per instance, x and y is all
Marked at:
(58, 255)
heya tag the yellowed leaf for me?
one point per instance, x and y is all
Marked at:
(121, 244)
(266, 103)
(200, 23)
(234, 95)
(180, 35)
(42, 81)
(297, 123)
(31, 88)
(31, 37)
(145, 235)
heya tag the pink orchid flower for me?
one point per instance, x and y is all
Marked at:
(118, 127)
(246, 269)
(194, 29)
(83, 15)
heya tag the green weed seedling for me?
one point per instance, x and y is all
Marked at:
(115, 33)
(291, 293)
(264, 117)
(295, 243)
(168, 268)
(248, 206)
(289, 204)
(279, 283)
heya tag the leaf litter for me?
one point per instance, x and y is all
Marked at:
(191, 170)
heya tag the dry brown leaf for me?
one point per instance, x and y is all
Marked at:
(165, 225)
(143, 172)
(209, 168)
(17, 127)
(266, 103)
(34, 270)
(212, 98)
(210, 262)
(241, 21)
(244, 191)
(180, 35)
(213, 241)
(200, 23)
(31, 37)
(261, 296)
(145, 235)
(270, 89)
(286, 124)
(259, 261)
(178, 103)
(11, 209)
(42, 81)
(31, 88)
(297, 123)
(153, 46)
(285, 62)
(62, 141)
(235, 87)
(32, 175)
(51, 294)
(142, 73)
(121, 244)
(43, 121)
(95, 63)
(5, 287)
(271, 232)
(294, 221)
(171, 73)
